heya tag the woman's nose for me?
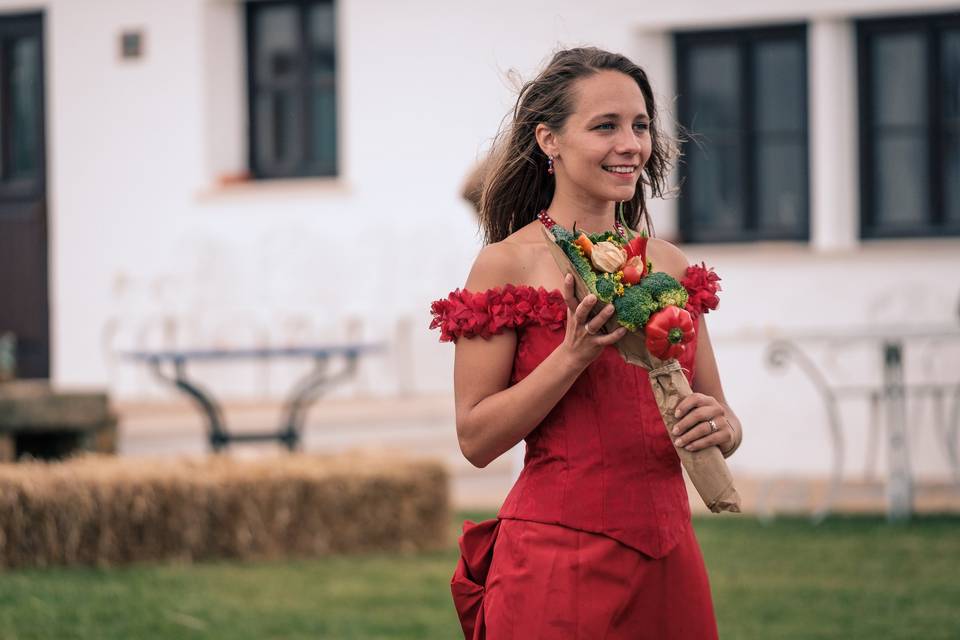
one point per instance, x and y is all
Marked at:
(628, 143)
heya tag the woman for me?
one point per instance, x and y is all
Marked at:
(594, 540)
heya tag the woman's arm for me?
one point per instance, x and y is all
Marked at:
(707, 402)
(706, 387)
(493, 416)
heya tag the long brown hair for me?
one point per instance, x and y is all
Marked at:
(516, 184)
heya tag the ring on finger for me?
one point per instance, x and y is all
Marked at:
(586, 328)
(713, 425)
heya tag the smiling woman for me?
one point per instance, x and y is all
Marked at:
(594, 540)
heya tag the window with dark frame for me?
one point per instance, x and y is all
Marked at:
(291, 84)
(21, 99)
(743, 100)
(909, 89)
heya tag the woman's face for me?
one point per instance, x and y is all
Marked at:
(605, 142)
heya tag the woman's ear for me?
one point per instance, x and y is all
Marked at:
(547, 140)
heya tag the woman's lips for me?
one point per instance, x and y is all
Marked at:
(618, 171)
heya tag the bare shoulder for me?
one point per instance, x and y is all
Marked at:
(667, 257)
(520, 258)
(495, 265)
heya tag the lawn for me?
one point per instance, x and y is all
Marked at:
(846, 578)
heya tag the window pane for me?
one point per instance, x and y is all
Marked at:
(950, 67)
(277, 40)
(714, 77)
(902, 181)
(25, 103)
(781, 185)
(780, 103)
(279, 131)
(715, 189)
(899, 79)
(324, 128)
(322, 49)
(951, 168)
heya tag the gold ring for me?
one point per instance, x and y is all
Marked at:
(713, 426)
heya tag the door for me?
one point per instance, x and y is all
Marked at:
(23, 209)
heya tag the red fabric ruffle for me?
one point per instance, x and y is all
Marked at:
(470, 578)
(485, 313)
(701, 285)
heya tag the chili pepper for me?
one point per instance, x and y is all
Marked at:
(584, 243)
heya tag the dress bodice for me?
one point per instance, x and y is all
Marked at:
(601, 460)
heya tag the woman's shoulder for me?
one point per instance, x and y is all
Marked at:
(701, 282)
(510, 261)
(667, 257)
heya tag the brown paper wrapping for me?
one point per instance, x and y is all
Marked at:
(706, 468)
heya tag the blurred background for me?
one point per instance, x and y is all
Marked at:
(211, 177)
(219, 175)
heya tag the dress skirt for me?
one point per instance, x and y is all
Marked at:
(522, 580)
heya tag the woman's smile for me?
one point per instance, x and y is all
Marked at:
(624, 172)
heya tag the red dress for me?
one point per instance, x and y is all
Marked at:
(594, 540)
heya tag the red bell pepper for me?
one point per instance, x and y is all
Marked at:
(637, 247)
(668, 331)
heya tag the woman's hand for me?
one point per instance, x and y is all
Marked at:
(585, 340)
(703, 423)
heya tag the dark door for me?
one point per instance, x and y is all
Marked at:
(23, 203)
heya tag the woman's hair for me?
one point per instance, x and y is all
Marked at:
(516, 184)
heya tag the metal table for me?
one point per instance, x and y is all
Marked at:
(888, 399)
(170, 367)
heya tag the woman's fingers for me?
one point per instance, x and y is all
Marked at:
(700, 414)
(704, 437)
(583, 309)
(612, 337)
(569, 292)
(595, 325)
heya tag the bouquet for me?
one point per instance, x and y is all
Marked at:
(650, 305)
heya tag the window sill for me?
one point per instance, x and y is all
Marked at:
(241, 189)
(762, 250)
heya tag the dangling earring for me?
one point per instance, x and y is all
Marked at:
(550, 165)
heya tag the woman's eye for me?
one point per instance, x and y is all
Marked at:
(605, 126)
(642, 126)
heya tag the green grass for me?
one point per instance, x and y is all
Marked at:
(847, 578)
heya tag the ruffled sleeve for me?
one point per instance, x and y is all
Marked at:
(485, 313)
(702, 286)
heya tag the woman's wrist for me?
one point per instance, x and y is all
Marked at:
(737, 438)
(568, 360)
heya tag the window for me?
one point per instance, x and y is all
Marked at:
(21, 112)
(743, 97)
(909, 87)
(291, 80)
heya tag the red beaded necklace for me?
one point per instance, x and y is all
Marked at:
(549, 222)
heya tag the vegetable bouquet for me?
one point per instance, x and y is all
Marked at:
(651, 305)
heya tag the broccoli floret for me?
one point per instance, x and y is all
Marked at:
(674, 297)
(634, 307)
(606, 287)
(604, 237)
(559, 233)
(580, 264)
(665, 290)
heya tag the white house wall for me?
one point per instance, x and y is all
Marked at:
(148, 249)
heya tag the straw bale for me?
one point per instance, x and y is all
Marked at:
(102, 510)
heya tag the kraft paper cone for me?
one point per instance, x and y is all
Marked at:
(706, 468)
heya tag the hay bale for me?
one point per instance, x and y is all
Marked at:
(102, 510)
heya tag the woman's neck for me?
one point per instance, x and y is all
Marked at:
(590, 215)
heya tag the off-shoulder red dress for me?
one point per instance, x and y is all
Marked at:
(594, 540)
